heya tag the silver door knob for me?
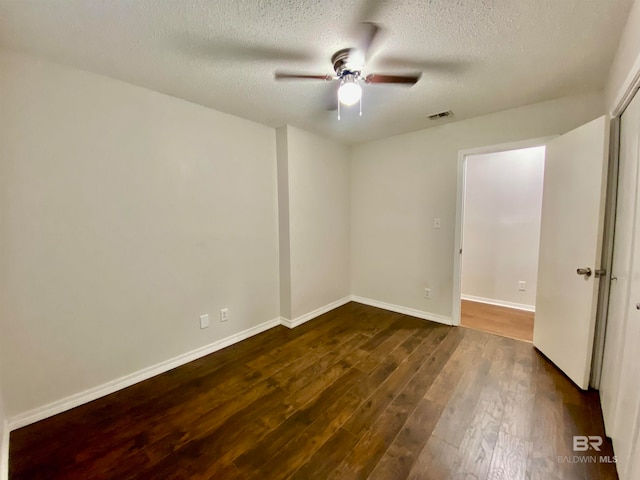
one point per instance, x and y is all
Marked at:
(584, 271)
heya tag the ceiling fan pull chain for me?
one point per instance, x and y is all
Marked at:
(360, 106)
(338, 110)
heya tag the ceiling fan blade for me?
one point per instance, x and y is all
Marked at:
(435, 65)
(224, 50)
(330, 97)
(401, 79)
(369, 32)
(301, 76)
(370, 9)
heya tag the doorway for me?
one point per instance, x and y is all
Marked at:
(570, 260)
(502, 204)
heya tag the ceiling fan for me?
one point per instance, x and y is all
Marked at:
(349, 64)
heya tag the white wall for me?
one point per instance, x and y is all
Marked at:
(400, 184)
(125, 215)
(315, 218)
(627, 59)
(503, 202)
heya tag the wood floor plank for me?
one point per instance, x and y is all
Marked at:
(382, 396)
(397, 461)
(176, 430)
(375, 440)
(605, 469)
(382, 335)
(280, 357)
(503, 321)
(437, 461)
(296, 453)
(237, 434)
(552, 435)
(251, 462)
(357, 393)
(479, 440)
(519, 394)
(371, 361)
(510, 458)
(459, 412)
(468, 352)
(293, 379)
(326, 458)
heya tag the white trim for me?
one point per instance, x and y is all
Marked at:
(404, 310)
(627, 90)
(462, 158)
(4, 452)
(499, 303)
(505, 147)
(91, 394)
(316, 313)
(457, 244)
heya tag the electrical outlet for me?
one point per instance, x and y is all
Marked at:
(522, 285)
(204, 321)
(224, 314)
(427, 293)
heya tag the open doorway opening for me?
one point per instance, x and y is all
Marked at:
(502, 204)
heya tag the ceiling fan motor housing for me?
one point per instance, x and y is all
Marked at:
(340, 61)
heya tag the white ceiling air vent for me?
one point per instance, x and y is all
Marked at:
(437, 116)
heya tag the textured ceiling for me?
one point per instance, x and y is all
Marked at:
(478, 56)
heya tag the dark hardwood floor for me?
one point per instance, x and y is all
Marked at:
(357, 393)
(503, 321)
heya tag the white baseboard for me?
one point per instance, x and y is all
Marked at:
(77, 399)
(499, 303)
(91, 394)
(404, 310)
(316, 313)
(4, 452)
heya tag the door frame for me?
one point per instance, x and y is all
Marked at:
(462, 166)
(606, 261)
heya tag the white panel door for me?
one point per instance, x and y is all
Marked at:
(571, 238)
(634, 467)
(627, 414)
(627, 428)
(623, 250)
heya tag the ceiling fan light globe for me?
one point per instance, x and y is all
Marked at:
(349, 93)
